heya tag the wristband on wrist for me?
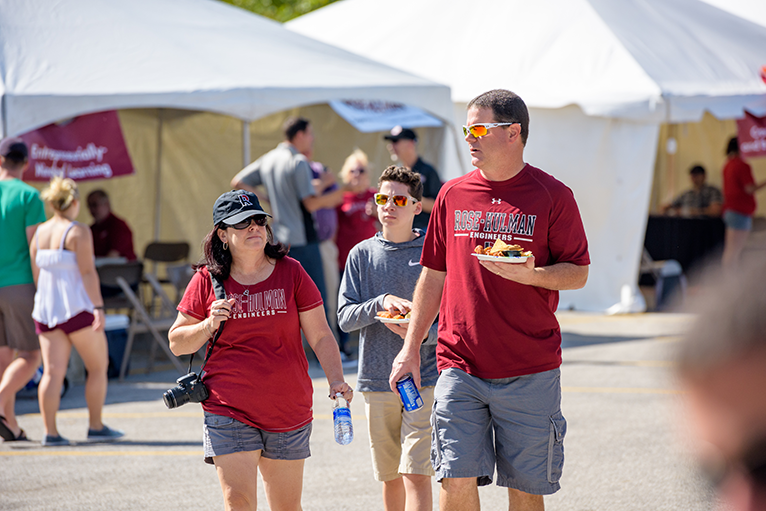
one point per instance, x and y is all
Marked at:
(98, 307)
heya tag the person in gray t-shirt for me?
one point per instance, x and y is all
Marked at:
(379, 277)
(285, 173)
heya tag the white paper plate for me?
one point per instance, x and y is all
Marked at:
(394, 321)
(500, 259)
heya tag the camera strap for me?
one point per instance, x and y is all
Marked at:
(220, 294)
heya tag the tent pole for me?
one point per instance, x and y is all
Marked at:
(158, 180)
(245, 143)
(4, 126)
(671, 163)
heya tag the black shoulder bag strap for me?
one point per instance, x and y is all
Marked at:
(220, 294)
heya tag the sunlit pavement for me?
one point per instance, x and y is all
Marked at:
(626, 446)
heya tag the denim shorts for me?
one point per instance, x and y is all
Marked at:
(737, 221)
(225, 435)
(514, 424)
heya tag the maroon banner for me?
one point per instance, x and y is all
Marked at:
(87, 147)
(751, 133)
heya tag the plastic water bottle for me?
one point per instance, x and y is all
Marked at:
(341, 416)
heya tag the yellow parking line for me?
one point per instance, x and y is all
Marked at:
(652, 363)
(125, 415)
(619, 390)
(638, 363)
(53, 452)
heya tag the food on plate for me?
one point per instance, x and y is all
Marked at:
(388, 315)
(502, 249)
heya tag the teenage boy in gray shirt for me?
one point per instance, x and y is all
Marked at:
(380, 275)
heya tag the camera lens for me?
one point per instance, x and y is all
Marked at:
(176, 397)
(170, 400)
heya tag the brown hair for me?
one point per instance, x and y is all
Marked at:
(293, 125)
(218, 261)
(403, 175)
(506, 107)
(730, 323)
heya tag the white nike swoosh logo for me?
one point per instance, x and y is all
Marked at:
(413, 263)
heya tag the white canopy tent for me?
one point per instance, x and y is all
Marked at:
(599, 76)
(753, 10)
(62, 58)
(161, 62)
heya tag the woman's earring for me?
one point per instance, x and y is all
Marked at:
(225, 246)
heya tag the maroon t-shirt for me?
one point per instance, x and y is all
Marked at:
(258, 373)
(354, 224)
(736, 175)
(112, 234)
(491, 327)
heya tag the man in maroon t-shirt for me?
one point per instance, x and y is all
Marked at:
(498, 396)
(111, 235)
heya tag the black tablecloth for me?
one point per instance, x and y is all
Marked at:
(687, 240)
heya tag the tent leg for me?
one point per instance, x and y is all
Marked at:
(158, 179)
(245, 144)
(128, 348)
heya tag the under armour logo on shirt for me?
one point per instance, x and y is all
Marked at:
(496, 201)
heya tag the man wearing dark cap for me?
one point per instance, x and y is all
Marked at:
(21, 210)
(403, 147)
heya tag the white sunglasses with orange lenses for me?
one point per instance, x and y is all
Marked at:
(479, 130)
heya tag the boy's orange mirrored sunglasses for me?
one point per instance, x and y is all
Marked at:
(479, 130)
(381, 199)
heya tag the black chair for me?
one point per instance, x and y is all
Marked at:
(174, 256)
(127, 276)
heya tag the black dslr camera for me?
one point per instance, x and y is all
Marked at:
(190, 389)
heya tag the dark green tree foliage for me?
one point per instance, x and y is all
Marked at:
(279, 10)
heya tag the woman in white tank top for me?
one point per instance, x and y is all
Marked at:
(68, 311)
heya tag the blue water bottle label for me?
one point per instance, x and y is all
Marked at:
(341, 412)
(409, 393)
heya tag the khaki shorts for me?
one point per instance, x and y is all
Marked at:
(400, 441)
(17, 328)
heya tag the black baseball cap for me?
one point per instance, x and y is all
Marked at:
(399, 133)
(13, 147)
(237, 205)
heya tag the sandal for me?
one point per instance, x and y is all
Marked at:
(8, 435)
(5, 431)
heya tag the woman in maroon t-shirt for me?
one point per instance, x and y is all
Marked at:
(258, 413)
(739, 204)
(357, 216)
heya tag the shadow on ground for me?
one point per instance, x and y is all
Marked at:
(570, 340)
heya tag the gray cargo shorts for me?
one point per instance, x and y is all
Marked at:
(514, 424)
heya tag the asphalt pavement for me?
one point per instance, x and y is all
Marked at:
(627, 446)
